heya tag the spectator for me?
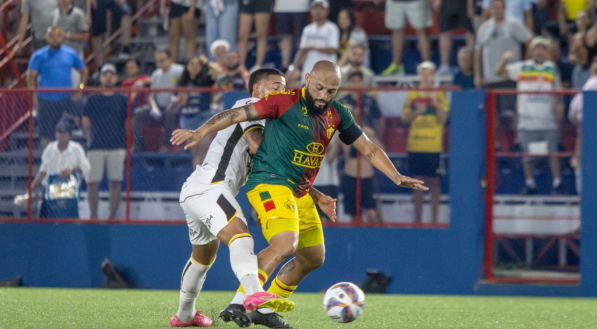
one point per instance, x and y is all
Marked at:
(464, 77)
(451, 15)
(258, 11)
(367, 175)
(72, 20)
(235, 77)
(540, 15)
(97, 16)
(327, 180)
(218, 51)
(579, 54)
(165, 76)
(183, 19)
(575, 116)
(291, 18)
(50, 67)
(517, 9)
(538, 115)
(40, 12)
(350, 35)
(356, 60)
(426, 113)
(498, 34)
(567, 13)
(370, 113)
(418, 14)
(221, 22)
(104, 120)
(140, 100)
(195, 106)
(61, 157)
(319, 41)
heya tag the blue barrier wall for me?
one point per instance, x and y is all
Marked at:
(420, 261)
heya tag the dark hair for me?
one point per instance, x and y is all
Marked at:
(165, 51)
(185, 77)
(134, 59)
(260, 75)
(355, 74)
(351, 17)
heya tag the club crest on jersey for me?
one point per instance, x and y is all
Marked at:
(330, 131)
(290, 205)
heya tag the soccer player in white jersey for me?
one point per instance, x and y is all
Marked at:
(213, 214)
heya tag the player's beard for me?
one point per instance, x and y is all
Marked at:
(311, 103)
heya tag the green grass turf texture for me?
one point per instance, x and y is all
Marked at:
(95, 308)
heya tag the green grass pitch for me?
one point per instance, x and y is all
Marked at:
(83, 308)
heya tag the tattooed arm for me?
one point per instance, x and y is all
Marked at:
(218, 122)
(379, 159)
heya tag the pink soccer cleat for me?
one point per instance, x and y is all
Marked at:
(269, 300)
(199, 320)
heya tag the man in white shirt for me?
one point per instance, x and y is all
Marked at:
(538, 114)
(165, 76)
(320, 41)
(61, 157)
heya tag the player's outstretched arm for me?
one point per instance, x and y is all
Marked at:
(218, 122)
(325, 202)
(379, 159)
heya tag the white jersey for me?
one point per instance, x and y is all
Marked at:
(229, 159)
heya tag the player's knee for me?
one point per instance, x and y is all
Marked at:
(284, 249)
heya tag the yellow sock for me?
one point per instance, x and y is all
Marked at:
(281, 289)
(262, 279)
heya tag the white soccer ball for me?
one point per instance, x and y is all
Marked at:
(344, 302)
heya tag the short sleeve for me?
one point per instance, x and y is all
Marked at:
(334, 37)
(35, 62)
(250, 125)
(274, 105)
(408, 103)
(520, 32)
(77, 61)
(350, 131)
(513, 70)
(154, 79)
(45, 158)
(303, 42)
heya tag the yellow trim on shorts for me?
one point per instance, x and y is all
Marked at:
(204, 266)
(242, 235)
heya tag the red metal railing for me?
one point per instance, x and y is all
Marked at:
(491, 157)
(357, 221)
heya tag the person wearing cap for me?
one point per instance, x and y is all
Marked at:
(427, 113)
(539, 115)
(50, 67)
(218, 51)
(104, 121)
(61, 157)
(320, 41)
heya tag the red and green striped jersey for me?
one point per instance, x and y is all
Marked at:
(295, 140)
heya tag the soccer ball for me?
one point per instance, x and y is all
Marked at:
(344, 302)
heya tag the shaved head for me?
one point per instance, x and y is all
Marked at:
(322, 85)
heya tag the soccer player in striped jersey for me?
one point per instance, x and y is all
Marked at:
(300, 126)
(214, 215)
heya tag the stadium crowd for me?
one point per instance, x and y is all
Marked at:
(527, 45)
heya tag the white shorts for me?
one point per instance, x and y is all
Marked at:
(208, 209)
(111, 160)
(418, 14)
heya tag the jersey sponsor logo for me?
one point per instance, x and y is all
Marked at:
(290, 205)
(285, 92)
(208, 221)
(316, 148)
(311, 159)
(303, 126)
